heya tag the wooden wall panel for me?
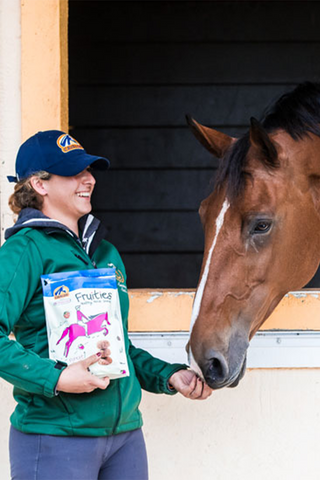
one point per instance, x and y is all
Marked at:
(140, 148)
(152, 190)
(167, 231)
(194, 63)
(162, 270)
(136, 69)
(197, 21)
(133, 106)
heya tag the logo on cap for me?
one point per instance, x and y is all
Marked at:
(66, 143)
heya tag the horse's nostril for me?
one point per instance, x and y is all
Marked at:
(217, 369)
(216, 364)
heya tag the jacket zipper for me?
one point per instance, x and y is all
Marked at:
(85, 262)
(78, 242)
(80, 258)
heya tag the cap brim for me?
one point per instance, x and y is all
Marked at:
(100, 164)
(78, 163)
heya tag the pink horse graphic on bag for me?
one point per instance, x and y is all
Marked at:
(84, 328)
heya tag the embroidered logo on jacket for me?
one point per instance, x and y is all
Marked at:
(120, 278)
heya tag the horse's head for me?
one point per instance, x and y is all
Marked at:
(261, 228)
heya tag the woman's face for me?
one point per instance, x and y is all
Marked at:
(68, 197)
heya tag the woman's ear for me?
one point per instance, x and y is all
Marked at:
(38, 185)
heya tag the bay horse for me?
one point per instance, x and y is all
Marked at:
(262, 230)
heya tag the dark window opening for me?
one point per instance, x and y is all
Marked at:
(135, 69)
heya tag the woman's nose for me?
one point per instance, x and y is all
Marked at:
(87, 177)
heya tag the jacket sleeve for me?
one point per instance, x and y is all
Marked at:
(153, 374)
(20, 270)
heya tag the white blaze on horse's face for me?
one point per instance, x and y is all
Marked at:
(203, 281)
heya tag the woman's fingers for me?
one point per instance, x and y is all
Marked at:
(201, 391)
(76, 378)
(89, 361)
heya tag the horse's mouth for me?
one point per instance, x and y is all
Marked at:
(235, 383)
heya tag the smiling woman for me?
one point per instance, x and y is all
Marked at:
(56, 234)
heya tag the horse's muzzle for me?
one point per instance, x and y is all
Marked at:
(218, 374)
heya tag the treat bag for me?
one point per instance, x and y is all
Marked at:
(82, 310)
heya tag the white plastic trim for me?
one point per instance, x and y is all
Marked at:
(276, 349)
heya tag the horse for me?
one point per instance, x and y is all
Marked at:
(85, 329)
(261, 226)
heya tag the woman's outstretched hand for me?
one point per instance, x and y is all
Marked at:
(76, 378)
(190, 385)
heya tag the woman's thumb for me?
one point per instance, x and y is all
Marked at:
(91, 360)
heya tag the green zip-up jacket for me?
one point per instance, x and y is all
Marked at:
(37, 245)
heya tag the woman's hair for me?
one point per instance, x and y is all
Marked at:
(24, 195)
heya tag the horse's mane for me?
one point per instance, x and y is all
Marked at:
(296, 112)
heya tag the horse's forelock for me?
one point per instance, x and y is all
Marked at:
(230, 171)
(296, 112)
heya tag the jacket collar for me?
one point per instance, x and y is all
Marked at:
(91, 232)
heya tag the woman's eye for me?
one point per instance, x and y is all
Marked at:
(262, 227)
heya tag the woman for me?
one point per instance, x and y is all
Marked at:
(68, 423)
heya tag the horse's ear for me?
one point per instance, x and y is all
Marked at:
(260, 139)
(216, 142)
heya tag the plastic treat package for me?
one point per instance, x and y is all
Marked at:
(82, 309)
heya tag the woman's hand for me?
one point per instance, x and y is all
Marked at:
(190, 385)
(76, 378)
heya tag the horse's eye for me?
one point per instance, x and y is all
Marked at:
(263, 226)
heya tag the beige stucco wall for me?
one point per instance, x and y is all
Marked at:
(265, 429)
(10, 102)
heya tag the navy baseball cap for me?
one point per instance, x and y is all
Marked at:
(54, 152)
